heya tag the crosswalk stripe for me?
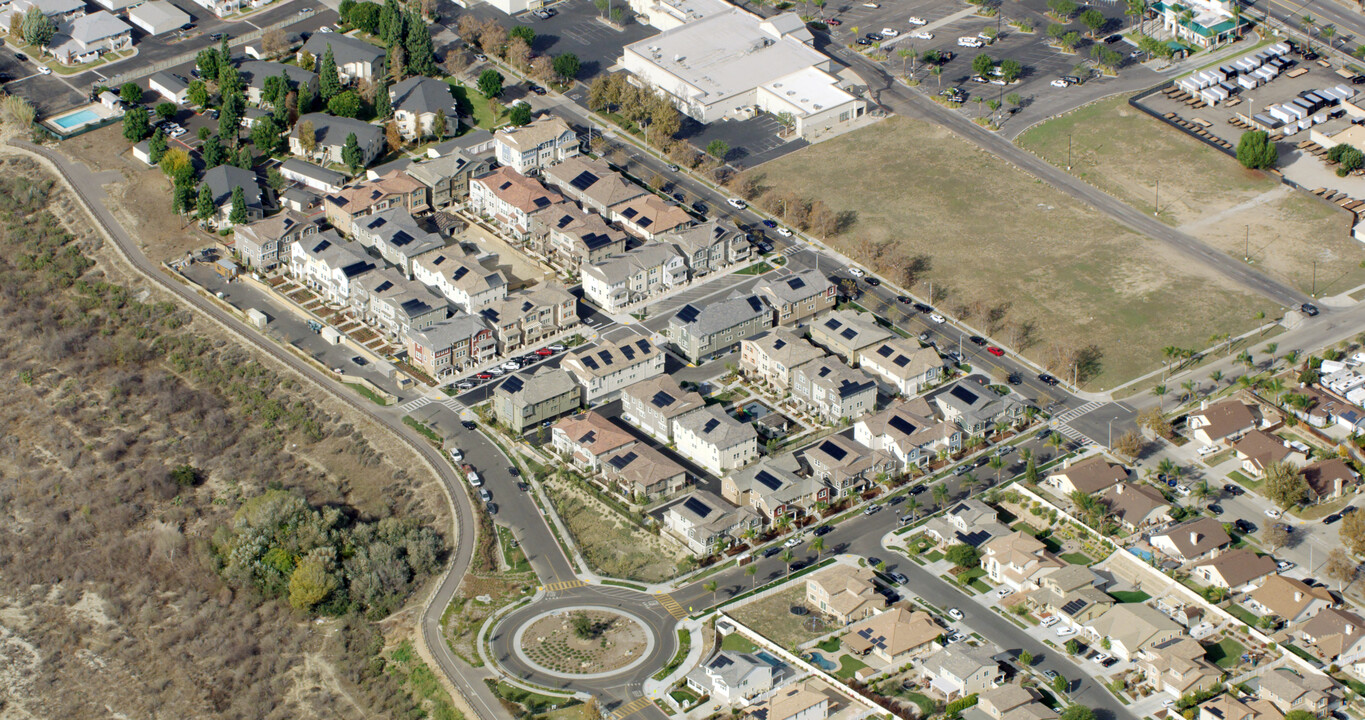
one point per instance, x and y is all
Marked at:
(630, 708)
(554, 587)
(415, 404)
(1074, 413)
(453, 403)
(671, 605)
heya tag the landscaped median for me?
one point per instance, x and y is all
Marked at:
(684, 645)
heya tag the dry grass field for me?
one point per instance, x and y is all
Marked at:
(611, 545)
(1057, 276)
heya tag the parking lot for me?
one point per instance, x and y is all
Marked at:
(573, 28)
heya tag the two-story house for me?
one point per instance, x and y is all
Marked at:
(1018, 561)
(587, 439)
(1335, 636)
(395, 235)
(797, 296)
(908, 433)
(1092, 475)
(604, 369)
(715, 441)
(648, 217)
(895, 637)
(701, 333)
(708, 246)
(705, 523)
(222, 182)
(447, 177)
(417, 102)
(1238, 571)
(845, 593)
(355, 59)
(847, 466)
(1132, 628)
(1135, 506)
(773, 488)
(974, 405)
(1221, 422)
(770, 356)
(1178, 667)
(522, 403)
(264, 243)
(635, 276)
(846, 332)
(527, 317)
(1192, 540)
(390, 302)
(571, 238)
(970, 522)
(903, 365)
(833, 391)
(511, 200)
(531, 148)
(1289, 599)
(733, 676)
(393, 190)
(960, 669)
(460, 278)
(449, 346)
(330, 134)
(327, 265)
(642, 473)
(591, 183)
(655, 405)
(1289, 690)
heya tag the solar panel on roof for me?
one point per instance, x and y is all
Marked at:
(662, 399)
(901, 424)
(833, 324)
(645, 222)
(963, 394)
(697, 507)
(588, 438)
(459, 272)
(688, 313)
(710, 425)
(885, 351)
(628, 352)
(849, 333)
(512, 384)
(584, 180)
(766, 479)
(606, 357)
(901, 361)
(778, 345)
(722, 661)
(796, 283)
(832, 450)
(756, 304)
(825, 370)
(589, 362)
(643, 345)
(1074, 607)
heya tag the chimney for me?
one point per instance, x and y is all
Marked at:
(1204, 404)
(1298, 596)
(1350, 629)
(1194, 538)
(1118, 489)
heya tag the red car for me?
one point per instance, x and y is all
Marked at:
(545, 352)
(484, 376)
(995, 351)
(834, 21)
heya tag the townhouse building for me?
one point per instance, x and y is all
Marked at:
(527, 317)
(395, 235)
(511, 200)
(449, 346)
(772, 355)
(264, 244)
(635, 276)
(522, 403)
(715, 441)
(604, 369)
(460, 278)
(656, 405)
(708, 246)
(797, 296)
(903, 365)
(833, 391)
(531, 148)
(702, 333)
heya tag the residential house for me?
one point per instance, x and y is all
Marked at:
(1290, 600)
(327, 265)
(256, 49)
(447, 177)
(355, 59)
(1192, 540)
(588, 438)
(605, 368)
(1258, 449)
(1134, 506)
(571, 238)
(460, 278)
(971, 403)
(395, 235)
(894, 637)
(708, 246)
(1288, 690)
(833, 391)
(158, 17)
(449, 346)
(265, 243)
(172, 87)
(771, 356)
(1014, 702)
(655, 406)
(715, 328)
(370, 197)
(416, 103)
(969, 522)
(1221, 422)
(648, 217)
(733, 676)
(845, 333)
(527, 317)
(85, 38)
(1227, 707)
(643, 473)
(302, 200)
(510, 199)
(1237, 570)
(1177, 666)
(57, 10)
(903, 364)
(531, 148)
(329, 137)
(797, 296)
(521, 402)
(389, 301)
(591, 183)
(1073, 593)
(1133, 628)
(844, 592)
(1335, 636)
(1329, 479)
(773, 488)
(254, 74)
(805, 700)
(715, 441)
(475, 142)
(960, 669)
(847, 465)
(1092, 475)
(1018, 561)
(222, 181)
(317, 177)
(908, 433)
(704, 522)
(617, 282)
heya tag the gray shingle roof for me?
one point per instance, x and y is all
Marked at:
(345, 49)
(332, 131)
(421, 95)
(717, 428)
(715, 317)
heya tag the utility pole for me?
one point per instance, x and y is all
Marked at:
(1156, 205)
(1315, 279)
(1068, 151)
(1246, 254)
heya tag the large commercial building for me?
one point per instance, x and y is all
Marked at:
(734, 64)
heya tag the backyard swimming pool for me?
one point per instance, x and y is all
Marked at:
(819, 661)
(66, 122)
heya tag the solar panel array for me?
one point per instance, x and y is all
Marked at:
(688, 314)
(606, 356)
(766, 479)
(833, 324)
(512, 384)
(779, 344)
(628, 352)
(460, 272)
(699, 508)
(796, 283)
(877, 641)
(832, 450)
(621, 461)
(589, 362)
(885, 351)
(1074, 607)
(584, 180)
(849, 333)
(963, 394)
(901, 424)
(710, 425)
(662, 399)
(901, 361)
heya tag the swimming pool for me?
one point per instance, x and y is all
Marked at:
(1144, 554)
(66, 122)
(819, 661)
(768, 658)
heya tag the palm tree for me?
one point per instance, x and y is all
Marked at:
(997, 464)
(1168, 468)
(1190, 386)
(818, 545)
(968, 483)
(1291, 357)
(905, 55)
(1001, 426)
(1160, 392)
(787, 557)
(940, 493)
(712, 587)
(1216, 376)
(784, 523)
(913, 505)
(749, 534)
(938, 74)
(1056, 441)
(1203, 491)
(1270, 348)
(752, 571)
(1245, 358)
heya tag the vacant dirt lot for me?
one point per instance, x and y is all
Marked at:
(611, 545)
(772, 618)
(1056, 275)
(1204, 192)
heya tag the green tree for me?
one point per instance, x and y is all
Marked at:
(1093, 19)
(344, 104)
(213, 153)
(199, 94)
(963, 555)
(157, 147)
(1026, 658)
(519, 114)
(718, 149)
(177, 165)
(166, 111)
(982, 64)
(383, 104)
(421, 54)
(329, 80)
(1062, 8)
(204, 207)
(712, 587)
(207, 63)
(1256, 152)
(524, 32)
(787, 557)
(130, 93)
(751, 570)
(1078, 712)
(439, 124)
(1031, 472)
(237, 214)
(38, 28)
(818, 545)
(1352, 532)
(1060, 684)
(1284, 484)
(1010, 70)
(490, 83)
(1073, 646)
(265, 135)
(940, 494)
(135, 124)
(567, 66)
(350, 153)
(310, 584)
(182, 197)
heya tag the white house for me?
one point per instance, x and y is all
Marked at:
(607, 367)
(716, 441)
(172, 87)
(546, 141)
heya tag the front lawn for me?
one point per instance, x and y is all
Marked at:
(1078, 558)
(473, 104)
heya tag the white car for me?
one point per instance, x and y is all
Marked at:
(872, 5)
(922, 35)
(737, 204)
(784, 232)
(45, 70)
(510, 366)
(938, 318)
(1182, 490)
(956, 638)
(856, 272)
(971, 42)
(1060, 83)
(1168, 703)
(325, 29)
(954, 613)
(1049, 622)
(1208, 450)
(1004, 592)
(1065, 631)
(916, 21)
(455, 454)
(890, 32)
(1272, 513)
(558, 348)
(792, 542)
(177, 132)
(1284, 565)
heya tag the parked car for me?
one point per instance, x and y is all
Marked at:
(1047, 379)
(956, 637)
(872, 509)
(484, 495)
(954, 613)
(921, 307)
(977, 340)
(903, 300)
(1209, 450)
(737, 204)
(890, 32)
(833, 22)
(1065, 631)
(922, 35)
(792, 542)
(456, 454)
(1215, 509)
(1050, 621)
(938, 318)
(874, 282)
(359, 361)
(1331, 518)
(769, 224)
(1050, 674)
(916, 21)
(1004, 592)
(45, 70)
(1309, 309)
(898, 578)
(995, 351)
(1284, 565)
(1182, 490)
(1272, 513)
(1059, 83)
(1229, 488)
(784, 232)
(822, 530)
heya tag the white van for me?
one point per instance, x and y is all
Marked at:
(473, 477)
(971, 42)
